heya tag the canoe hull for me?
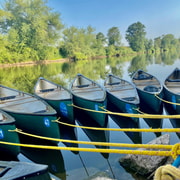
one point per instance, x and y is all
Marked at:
(64, 109)
(122, 106)
(7, 136)
(150, 103)
(39, 124)
(100, 118)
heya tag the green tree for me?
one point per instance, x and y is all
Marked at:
(78, 43)
(135, 35)
(32, 28)
(157, 44)
(114, 37)
(168, 42)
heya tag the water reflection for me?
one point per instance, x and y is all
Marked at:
(67, 163)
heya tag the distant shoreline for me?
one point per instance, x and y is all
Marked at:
(32, 63)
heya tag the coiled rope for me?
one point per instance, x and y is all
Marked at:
(167, 172)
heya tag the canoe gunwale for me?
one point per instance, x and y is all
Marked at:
(118, 86)
(57, 88)
(76, 90)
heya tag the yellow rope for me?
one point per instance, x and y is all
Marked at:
(122, 129)
(178, 104)
(151, 146)
(167, 172)
(118, 151)
(152, 116)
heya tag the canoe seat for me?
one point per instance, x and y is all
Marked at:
(82, 86)
(46, 90)
(7, 98)
(173, 80)
(41, 111)
(129, 98)
(151, 88)
(143, 77)
(114, 83)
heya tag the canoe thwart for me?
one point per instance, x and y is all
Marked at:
(151, 88)
(7, 98)
(129, 98)
(82, 86)
(173, 80)
(114, 83)
(46, 90)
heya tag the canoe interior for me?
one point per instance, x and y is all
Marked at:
(121, 89)
(147, 82)
(5, 118)
(12, 100)
(87, 89)
(23, 170)
(173, 82)
(49, 90)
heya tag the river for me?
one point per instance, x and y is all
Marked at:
(68, 165)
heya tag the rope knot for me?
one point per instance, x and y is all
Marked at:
(174, 151)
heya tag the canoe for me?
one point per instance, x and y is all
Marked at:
(148, 87)
(121, 94)
(8, 123)
(172, 95)
(14, 170)
(150, 91)
(57, 96)
(32, 114)
(90, 95)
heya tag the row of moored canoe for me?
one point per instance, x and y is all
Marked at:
(36, 113)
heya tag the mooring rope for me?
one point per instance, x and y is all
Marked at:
(100, 150)
(151, 146)
(178, 104)
(152, 116)
(123, 129)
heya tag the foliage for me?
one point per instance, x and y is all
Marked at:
(79, 43)
(135, 35)
(114, 37)
(30, 31)
(31, 28)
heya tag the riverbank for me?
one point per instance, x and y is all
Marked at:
(32, 63)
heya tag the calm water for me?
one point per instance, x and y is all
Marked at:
(68, 165)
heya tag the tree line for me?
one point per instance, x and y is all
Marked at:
(31, 31)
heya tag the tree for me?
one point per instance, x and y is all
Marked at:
(168, 42)
(135, 35)
(78, 43)
(114, 37)
(157, 43)
(32, 28)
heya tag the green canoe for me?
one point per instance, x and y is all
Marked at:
(172, 95)
(7, 123)
(122, 94)
(57, 96)
(32, 114)
(150, 91)
(89, 95)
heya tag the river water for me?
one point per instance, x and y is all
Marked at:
(68, 165)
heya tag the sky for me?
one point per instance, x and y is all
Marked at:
(160, 17)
